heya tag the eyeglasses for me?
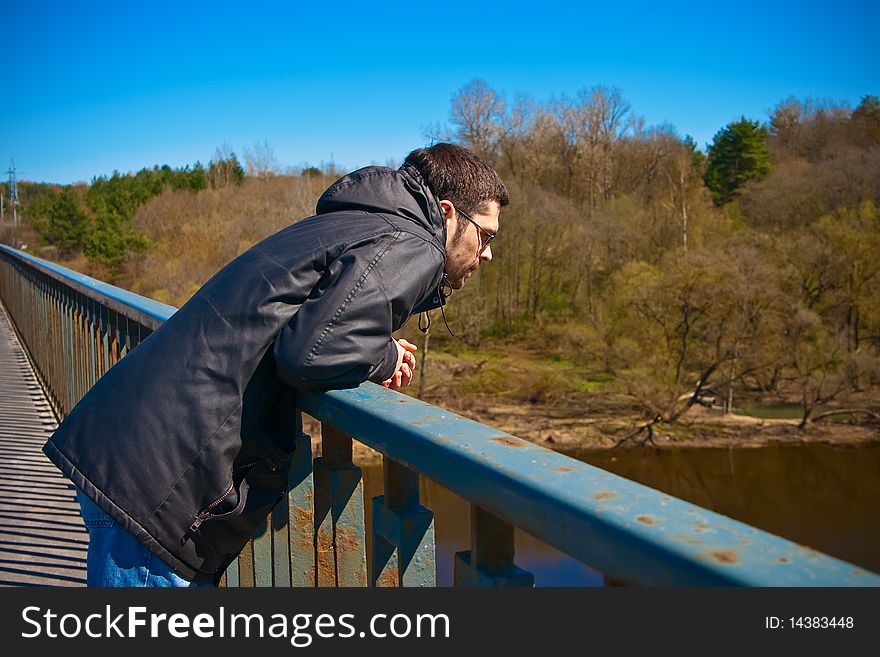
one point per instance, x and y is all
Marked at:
(485, 236)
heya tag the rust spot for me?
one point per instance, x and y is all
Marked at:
(692, 511)
(693, 541)
(857, 573)
(646, 520)
(404, 401)
(725, 556)
(745, 541)
(783, 560)
(509, 442)
(388, 578)
(604, 496)
(303, 516)
(348, 542)
(700, 526)
(564, 468)
(326, 563)
(347, 539)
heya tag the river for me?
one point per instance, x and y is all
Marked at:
(823, 496)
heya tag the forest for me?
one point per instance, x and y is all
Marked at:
(635, 275)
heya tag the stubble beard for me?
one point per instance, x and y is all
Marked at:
(456, 280)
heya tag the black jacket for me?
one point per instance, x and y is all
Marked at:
(186, 442)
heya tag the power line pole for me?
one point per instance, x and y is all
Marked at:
(13, 200)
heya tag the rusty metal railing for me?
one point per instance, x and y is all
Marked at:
(76, 328)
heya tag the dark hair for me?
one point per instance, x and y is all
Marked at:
(456, 174)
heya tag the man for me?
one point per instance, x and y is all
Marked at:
(183, 447)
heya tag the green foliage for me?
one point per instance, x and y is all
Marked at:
(866, 119)
(612, 258)
(698, 158)
(59, 218)
(114, 200)
(738, 154)
(98, 221)
(225, 170)
(672, 329)
(67, 221)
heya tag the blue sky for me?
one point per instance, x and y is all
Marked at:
(93, 87)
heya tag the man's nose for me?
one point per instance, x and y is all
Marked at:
(487, 253)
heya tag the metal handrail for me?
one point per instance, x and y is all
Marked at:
(628, 531)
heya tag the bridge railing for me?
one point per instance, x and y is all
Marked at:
(75, 328)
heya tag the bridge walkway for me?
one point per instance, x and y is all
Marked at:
(42, 539)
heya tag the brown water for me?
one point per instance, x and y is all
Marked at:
(824, 496)
(452, 534)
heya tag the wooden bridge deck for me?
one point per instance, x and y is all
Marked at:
(42, 539)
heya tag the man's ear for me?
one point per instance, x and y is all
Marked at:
(448, 212)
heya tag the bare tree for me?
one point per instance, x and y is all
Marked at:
(477, 110)
(260, 161)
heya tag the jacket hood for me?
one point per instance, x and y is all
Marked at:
(383, 190)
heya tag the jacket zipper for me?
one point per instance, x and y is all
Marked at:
(205, 513)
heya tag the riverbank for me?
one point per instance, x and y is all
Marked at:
(552, 403)
(556, 403)
(573, 430)
(568, 430)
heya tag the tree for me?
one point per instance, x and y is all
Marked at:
(476, 112)
(68, 222)
(866, 120)
(814, 354)
(261, 162)
(738, 154)
(853, 240)
(593, 126)
(60, 219)
(224, 170)
(682, 330)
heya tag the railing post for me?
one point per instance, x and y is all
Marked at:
(490, 559)
(340, 538)
(281, 551)
(230, 578)
(300, 512)
(261, 543)
(246, 578)
(91, 350)
(403, 532)
(105, 340)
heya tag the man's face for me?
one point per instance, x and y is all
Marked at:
(464, 248)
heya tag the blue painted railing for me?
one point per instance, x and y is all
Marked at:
(76, 327)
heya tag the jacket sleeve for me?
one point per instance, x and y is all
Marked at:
(341, 336)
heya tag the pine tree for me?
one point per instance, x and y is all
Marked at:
(738, 154)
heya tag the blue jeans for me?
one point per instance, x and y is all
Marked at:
(116, 558)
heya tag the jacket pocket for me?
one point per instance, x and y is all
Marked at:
(223, 535)
(229, 505)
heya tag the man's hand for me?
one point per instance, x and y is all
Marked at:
(406, 363)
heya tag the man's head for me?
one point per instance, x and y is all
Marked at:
(471, 196)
